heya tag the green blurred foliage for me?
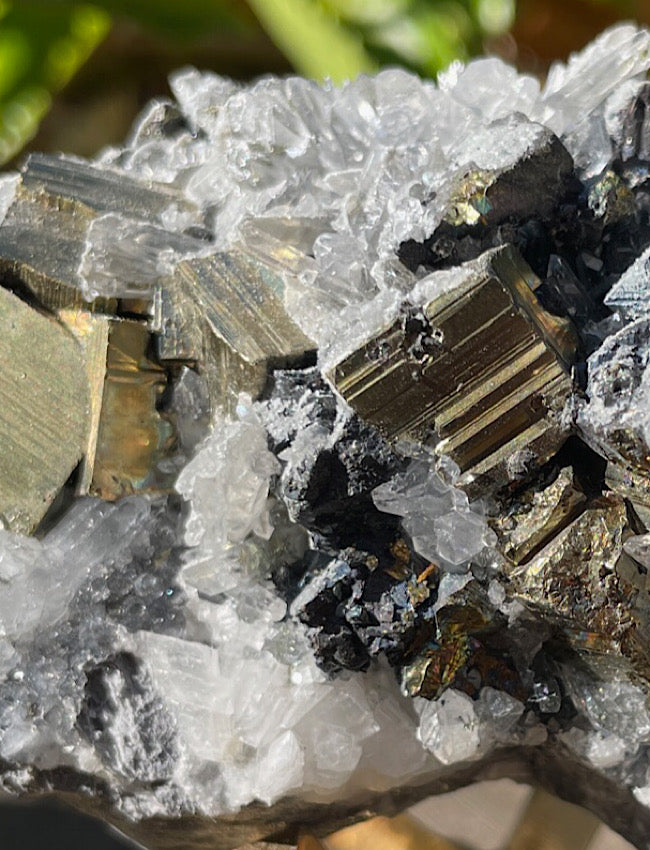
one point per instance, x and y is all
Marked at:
(44, 42)
(424, 35)
(315, 39)
(179, 19)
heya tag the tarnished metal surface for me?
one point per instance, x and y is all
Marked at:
(632, 485)
(244, 330)
(537, 516)
(132, 436)
(44, 411)
(584, 584)
(91, 332)
(41, 243)
(99, 188)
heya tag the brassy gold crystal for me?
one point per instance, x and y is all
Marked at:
(480, 373)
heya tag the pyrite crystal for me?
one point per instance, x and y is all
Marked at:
(45, 393)
(325, 468)
(480, 373)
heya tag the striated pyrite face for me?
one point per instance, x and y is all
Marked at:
(481, 373)
(325, 451)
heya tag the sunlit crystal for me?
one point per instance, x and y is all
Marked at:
(45, 394)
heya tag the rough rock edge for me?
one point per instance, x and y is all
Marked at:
(262, 827)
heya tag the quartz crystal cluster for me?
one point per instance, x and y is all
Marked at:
(325, 469)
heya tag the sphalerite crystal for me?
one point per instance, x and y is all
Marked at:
(325, 469)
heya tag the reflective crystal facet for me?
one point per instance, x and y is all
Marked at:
(479, 372)
(44, 392)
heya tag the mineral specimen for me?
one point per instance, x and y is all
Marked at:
(44, 392)
(325, 481)
(224, 312)
(480, 371)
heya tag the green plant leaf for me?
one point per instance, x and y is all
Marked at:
(182, 18)
(367, 12)
(312, 39)
(41, 47)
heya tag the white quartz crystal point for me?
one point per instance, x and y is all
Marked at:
(601, 749)
(489, 87)
(393, 753)
(201, 95)
(617, 114)
(616, 419)
(227, 487)
(576, 101)
(630, 295)
(24, 571)
(502, 143)
(499, 714)
(437, 516)
(366, 165)
(280, 769)
(573, 90)
(616, 706)
(449, 727)
(227, 484)
(40, 577)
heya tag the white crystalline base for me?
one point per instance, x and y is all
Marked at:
(238, 706)
(277, 724)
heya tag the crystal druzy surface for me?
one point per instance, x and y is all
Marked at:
(326, 435)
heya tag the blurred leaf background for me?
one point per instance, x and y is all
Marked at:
(74, 74)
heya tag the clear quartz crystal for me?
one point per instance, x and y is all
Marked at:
(583, 84)
(449, 727)
(617, 707)
(631, 293)
(499, 714)
(125, 258)
(601, 749)
(616, 416)
(437, 516)
(41, 578)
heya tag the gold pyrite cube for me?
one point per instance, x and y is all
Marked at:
(480, 373)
